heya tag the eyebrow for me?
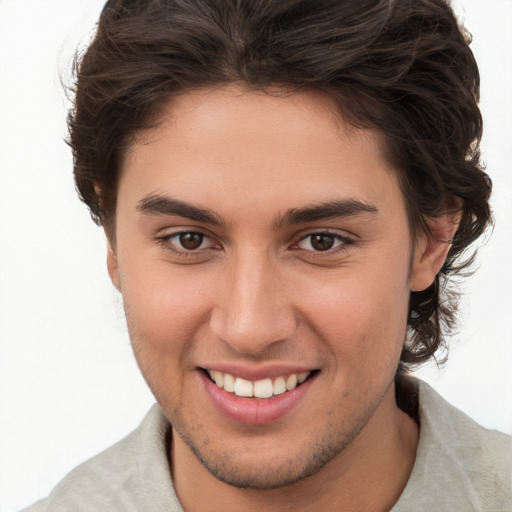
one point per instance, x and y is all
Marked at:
(330, 209)
(155, 204)
(163, 205)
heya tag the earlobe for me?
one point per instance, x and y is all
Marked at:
(112, 267)
(431, 251)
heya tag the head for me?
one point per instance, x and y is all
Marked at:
(401, 68)
(395, 80)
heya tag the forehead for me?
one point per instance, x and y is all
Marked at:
(249, 149)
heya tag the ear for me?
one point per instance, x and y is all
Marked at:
(112, 267)
(431, 250)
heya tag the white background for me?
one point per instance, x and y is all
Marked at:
(69, 386)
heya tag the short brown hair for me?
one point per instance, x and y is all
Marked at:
(403, 67)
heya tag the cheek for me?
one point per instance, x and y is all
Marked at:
(163, 317)
(363, 319)
(162, 311)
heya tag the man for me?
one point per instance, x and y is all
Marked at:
(286, 188)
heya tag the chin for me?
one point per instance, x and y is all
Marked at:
(261, 475)
(255, 469)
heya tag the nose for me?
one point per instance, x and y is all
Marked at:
(253, 310)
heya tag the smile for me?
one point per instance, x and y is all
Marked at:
(264, 388)
(272, 395)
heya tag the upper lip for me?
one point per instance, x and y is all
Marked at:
(258, 373)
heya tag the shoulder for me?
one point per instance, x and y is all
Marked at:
(131, 475)
(479, 452)
(459, 464)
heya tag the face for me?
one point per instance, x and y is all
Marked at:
(263, 254)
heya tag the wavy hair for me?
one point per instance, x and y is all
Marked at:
(403, 67)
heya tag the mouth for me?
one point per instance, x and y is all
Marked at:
(263, 388)
(262, 401)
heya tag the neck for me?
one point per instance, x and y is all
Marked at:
(369, 474)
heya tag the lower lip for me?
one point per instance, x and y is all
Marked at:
(255, 411)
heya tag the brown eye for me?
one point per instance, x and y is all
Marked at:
(189, 244)
(322, 242)
(191, 241)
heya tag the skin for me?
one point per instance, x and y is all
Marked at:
(257, 293)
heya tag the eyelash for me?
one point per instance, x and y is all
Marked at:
(165, 242)
(344, 244)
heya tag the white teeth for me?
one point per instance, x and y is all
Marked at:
(263, 388)
(279, 386)
(229, 383)
(243, 387)
(218, 377)
(291, 382)
(301, 377)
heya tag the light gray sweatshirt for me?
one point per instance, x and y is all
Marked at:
(459, 467)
